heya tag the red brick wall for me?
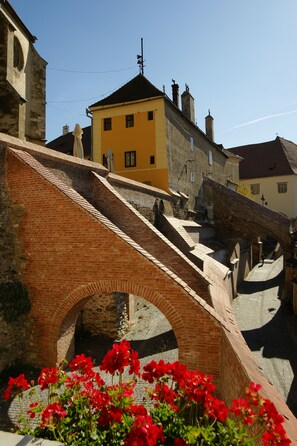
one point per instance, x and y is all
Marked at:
(138, 228)
(73, 254)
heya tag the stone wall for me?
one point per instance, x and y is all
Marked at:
(22, 81)
(106, 314)
(238, 216)
(9, 106)
(12, 259)
(35, 124)
(14, 340)
(12, 262)
(188, 158)
(141, 197)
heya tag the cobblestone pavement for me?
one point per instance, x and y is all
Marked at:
(270, 327)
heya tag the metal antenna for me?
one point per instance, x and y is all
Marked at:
(140, 60)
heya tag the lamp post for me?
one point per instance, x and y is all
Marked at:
(264, 202)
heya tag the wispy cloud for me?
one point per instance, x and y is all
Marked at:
(264, 118)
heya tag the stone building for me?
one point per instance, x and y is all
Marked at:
(22, 79)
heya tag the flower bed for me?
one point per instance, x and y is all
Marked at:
(180, 407)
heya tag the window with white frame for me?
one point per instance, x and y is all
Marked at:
(255, 189)
(130, 158)
(282, 187)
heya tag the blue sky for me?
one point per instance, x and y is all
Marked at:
(237, 56)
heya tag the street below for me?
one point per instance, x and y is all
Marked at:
(270, 327)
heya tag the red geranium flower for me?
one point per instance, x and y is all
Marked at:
(119, 357)
(137, 409)
(269, 413)
(110, 415)
(156, 370)
(48, 375)
(99, 399)
(53, 412)
(33, 409)
(144, 432)
(242, 407)
(215, 408)
(82, 363)
(75, 380)
(15, 386)
(252, 393)
(163, 393)
(134, 363)
(99, 381)
(275, 437)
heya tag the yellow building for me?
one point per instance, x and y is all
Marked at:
(128, 131)
(141, 134)
(269, 171)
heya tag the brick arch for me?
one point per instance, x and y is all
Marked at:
(61, 325)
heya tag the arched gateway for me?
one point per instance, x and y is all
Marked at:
(63, 321)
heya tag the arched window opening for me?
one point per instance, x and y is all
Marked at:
(18, 57)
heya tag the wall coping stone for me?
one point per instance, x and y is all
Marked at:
(44, 152)
(10, 439)
(132, 184)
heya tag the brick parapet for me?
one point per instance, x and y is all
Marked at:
(44, 153)
(135, 225)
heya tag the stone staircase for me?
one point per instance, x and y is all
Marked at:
(195, 240)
